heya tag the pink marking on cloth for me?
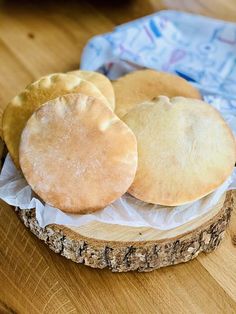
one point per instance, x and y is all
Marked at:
(227, 41)
(176, 55)
(148, 33)
(123, 49)
(109, 66)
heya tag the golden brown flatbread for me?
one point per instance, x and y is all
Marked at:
(101, 82)
(185, 150)
(46, 88)
(139, 86)
(77, 155)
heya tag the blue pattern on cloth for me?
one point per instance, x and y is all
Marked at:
(200, 49)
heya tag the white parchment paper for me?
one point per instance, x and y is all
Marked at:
(125, 211)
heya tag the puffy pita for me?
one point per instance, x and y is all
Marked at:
(77, 155)
(46, 88)
(185, 150)
(139, 86)
(101, 82)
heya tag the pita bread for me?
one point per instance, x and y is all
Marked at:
(185, 150)
(101, 82)
(139, 86)
(46, 88)
(77, 155)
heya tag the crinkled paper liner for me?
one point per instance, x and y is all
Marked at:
(127, 210)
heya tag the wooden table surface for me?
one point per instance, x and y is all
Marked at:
(38, 37)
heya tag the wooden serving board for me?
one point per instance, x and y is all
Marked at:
(123, 248)
(33, 278)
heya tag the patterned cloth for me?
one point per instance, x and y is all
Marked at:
(199, 49)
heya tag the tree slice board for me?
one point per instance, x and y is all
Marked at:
(122, 248)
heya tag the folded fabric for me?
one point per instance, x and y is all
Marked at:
(126, 210)
(199, 49)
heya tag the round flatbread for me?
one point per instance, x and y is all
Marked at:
(139, 86)
(102, 83)
(46, 88)
(185, 150)
(77, 155)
